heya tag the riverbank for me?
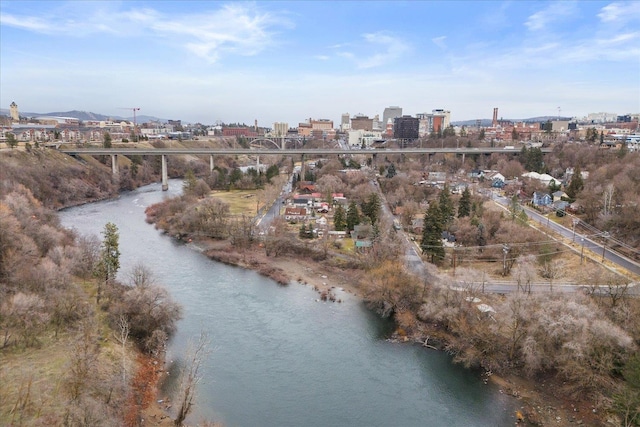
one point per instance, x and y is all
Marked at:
(283, 269)
(541, 401)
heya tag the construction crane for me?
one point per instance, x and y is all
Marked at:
(135, 127)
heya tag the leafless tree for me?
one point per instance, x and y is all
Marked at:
(191, 375)
(121, 335)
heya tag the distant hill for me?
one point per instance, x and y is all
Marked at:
(487, 122)
(86, 115)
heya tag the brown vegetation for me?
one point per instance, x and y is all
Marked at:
(62, 364)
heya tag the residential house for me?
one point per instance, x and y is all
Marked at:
(306, 187)
(362, 236)
(541, 199)
(295, 214)
(559, 195)
(321, 222)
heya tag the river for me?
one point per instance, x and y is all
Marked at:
(281, 358)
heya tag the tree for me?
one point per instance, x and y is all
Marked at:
(353, 216)
(481, 135)
(514, 134)
(447, 210)
(106, 140)
(12, 142)
(109, 262)
(391, 171)
(464, 206)
(576, 185)
(272, 171)
(371, 208)
(339, 218)
(191, 375)
(431, 243)
(189, 183)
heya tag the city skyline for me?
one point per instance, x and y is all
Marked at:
(286, 61)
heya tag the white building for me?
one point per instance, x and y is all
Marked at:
(360, 136)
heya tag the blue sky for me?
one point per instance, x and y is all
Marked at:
(288, 61)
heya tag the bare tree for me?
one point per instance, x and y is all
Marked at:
(191, 375)
(122, 336)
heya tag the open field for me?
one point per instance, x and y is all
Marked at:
(241, 201)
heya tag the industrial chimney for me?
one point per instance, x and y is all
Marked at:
(494, 123)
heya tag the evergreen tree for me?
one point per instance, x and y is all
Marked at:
(576, 185)
(391, 171)
(339, 218)
(447, 210)
(189, 183)
(109, 261)
(514, 207)
(235, 176)
(12, 142)
(464, 207)
(303, 232)
(106, 140)
(371, 208)
(272, 171)
(481, 135)
(353, 216)
(431, 243)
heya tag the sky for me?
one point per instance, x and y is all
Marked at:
(204, 61)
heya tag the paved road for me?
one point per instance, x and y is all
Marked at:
(589, 244)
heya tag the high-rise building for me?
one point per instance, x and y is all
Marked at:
(280, 129)
(438, 119)
(345, 122)
(406, 127)
(361, 122)
(391, 113)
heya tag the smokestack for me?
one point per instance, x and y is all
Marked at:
(256, 124)
(494, 123)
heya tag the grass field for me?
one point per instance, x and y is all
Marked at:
(240, 201)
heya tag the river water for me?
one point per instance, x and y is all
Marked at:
(281, 358)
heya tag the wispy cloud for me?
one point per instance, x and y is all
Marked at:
(620, 12)
(240, 29)
(555, 12)
(439, 41)
(385, 49)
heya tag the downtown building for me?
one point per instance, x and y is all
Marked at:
(437, 120)
(406, 127)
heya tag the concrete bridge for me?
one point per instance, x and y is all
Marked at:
(302, 152)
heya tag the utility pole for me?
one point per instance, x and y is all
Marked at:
(575, 222)
(582, 250)
(604, 245)
(135, 127)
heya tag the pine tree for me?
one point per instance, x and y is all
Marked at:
(189, 183)
(576, 185)
(109, 262)
(303, 232)
(464, 207)
(391, 171)
(339, 218)
(431, 243)
(353, 216)
(371, 208)
(447, 210)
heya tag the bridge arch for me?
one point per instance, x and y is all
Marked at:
(258, 140)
